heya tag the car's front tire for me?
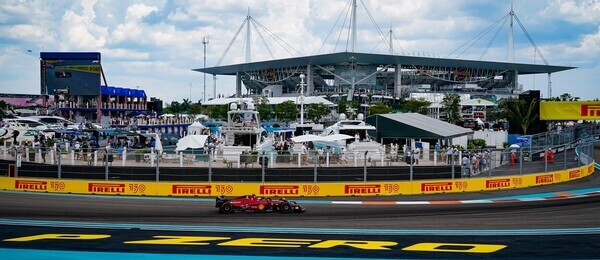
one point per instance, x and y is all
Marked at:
(285, 208)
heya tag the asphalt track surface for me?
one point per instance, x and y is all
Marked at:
(325, 218)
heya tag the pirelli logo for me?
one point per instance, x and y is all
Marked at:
(362, 189)
(31, 185)
(436, 186)
(499, 183)
(106, 187)
(193, 189)
(590, 110)
(548, 178)
(279, 189)
(574, 174)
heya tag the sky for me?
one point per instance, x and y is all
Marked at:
(153, 45)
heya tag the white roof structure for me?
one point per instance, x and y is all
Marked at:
(272, 100)
(477, 102)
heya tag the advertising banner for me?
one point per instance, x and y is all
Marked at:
(570, 110)
(214, 189)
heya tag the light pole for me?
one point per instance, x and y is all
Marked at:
(302, 76)
(204, 42)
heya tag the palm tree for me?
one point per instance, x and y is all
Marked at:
(521, 113)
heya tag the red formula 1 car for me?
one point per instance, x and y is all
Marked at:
(258, 204)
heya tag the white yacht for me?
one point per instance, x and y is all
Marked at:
(243, 131)
(361, 142)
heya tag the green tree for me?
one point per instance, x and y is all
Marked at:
(564, 97)
(286, 111)
(379, 108)
(417, 105)
(219, 112)
(3, 107)
(196, 109)
(317, 111)
(451, 105)
(521, 113)
(186, 105)
(342, 106)
(264, 108)
(173, 108)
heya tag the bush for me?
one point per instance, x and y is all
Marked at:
(476, 143)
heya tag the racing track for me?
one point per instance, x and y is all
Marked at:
(568, 213)
(322, 217)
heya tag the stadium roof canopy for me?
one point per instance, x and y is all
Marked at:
(272, 100)
(383, 59)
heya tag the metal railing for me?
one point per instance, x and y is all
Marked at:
(570, 149)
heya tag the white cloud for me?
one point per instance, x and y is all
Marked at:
(139, 11)
(586, 11)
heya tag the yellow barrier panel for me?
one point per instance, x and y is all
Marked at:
(391, 188)
(570, 110)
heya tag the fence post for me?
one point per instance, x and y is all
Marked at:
(452, 165)
(158, 166)
(546, 158)
(152, 154)
(124, 156)
(520, 160)
(27, 154)
(271, 160)
(106, 164)
(356, 158)
(316, 159)
(17, 163)
(180, 159)
(4, 150)
(72, 155)
(96, 158)
(299, 160)
(365, 168)
(210, 155)
(327, 160)
(59, 162)
(262, 166)
(435, 155)
(411, 165)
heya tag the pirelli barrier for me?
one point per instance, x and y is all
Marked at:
(307, 189)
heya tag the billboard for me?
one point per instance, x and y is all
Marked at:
(70, 73)
(570, 110)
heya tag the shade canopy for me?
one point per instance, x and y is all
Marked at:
(191, 142)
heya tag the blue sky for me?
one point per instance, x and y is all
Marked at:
(155, 44)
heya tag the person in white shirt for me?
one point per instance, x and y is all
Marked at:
(303, 153)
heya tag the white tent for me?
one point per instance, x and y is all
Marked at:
(191, 141)
(196, 128)
(307, 138)
(337, 137)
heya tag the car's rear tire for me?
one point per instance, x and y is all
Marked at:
(285, 208)
(226, 208)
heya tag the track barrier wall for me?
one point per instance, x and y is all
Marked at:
(301, 189)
